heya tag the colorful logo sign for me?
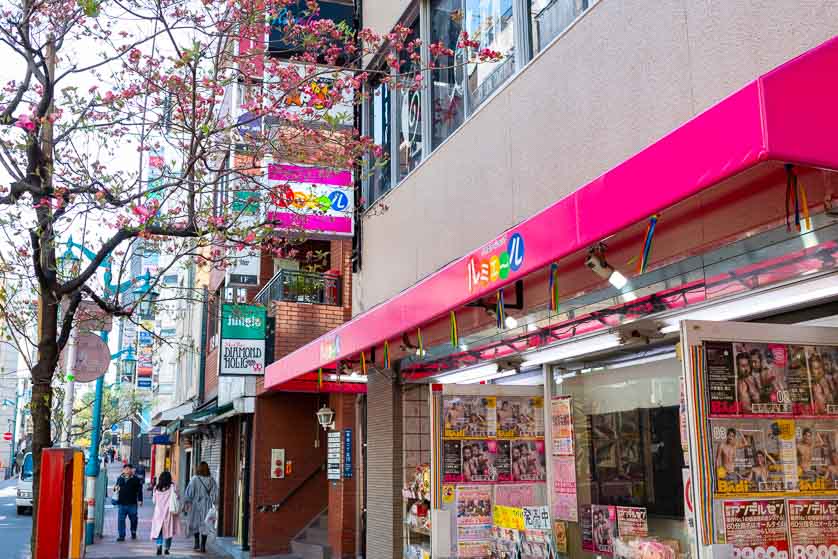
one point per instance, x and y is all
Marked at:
(314, 200)
(496, 261)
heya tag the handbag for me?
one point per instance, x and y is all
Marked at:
(174, 504)
(210, 519)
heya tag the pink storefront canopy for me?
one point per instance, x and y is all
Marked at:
(788, 115)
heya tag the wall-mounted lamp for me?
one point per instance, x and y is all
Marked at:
(326, 417)
(598, 265)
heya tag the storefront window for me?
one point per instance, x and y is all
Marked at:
(447, 101)
(378, 128)
(551, 17)
(409, 111)
(629, 460)
(491, 24)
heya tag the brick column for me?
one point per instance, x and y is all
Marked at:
(342, 494)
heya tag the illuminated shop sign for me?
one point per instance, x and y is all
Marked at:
(495, 261)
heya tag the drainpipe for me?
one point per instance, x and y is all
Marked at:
(248, 438)
(202, 363)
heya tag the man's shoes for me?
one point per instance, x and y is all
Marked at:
(159, 550)
(166, 552)
(120, 539)
(133, 535)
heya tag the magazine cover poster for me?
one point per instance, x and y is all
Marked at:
(761, 387)
(535, 544)
(474, 505)
(813, 529)
(586, 526)
(469, 417)
(452, 461)
(823, 377)
(751, 455)
(479, 461)
(797, 380)
(505, 543)
(721, 378)
(604, 527)
(756, 529)
(520, 416)
(816, 445)
(528, 460)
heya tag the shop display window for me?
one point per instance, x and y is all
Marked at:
(629, 460)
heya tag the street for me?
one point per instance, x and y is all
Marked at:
(14, 530)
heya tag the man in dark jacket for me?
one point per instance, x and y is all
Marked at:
(130, 495)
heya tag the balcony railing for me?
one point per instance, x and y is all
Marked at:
(301, 287)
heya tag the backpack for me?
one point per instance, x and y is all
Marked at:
(174, 503)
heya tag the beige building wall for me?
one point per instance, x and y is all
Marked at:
(624, 75)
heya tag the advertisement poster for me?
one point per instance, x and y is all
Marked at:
(632, 522)
(505, 543)
(479, 459)
(536, 518)
(474, 549)
(474, 505)
(502, 459)
(535, 544)
(586, 526)
(813, 529)
(477, 533)
(761, 378)
(452, 461)
(508, 518)
(823, 376)
(797, 381)
(721, 378)
(564, 488)
(469, 417)
(517, 495)
(520, 417)
(757, 528)
(561, 415)
(753, 455)
(560, 535)
(528, 460)
(604, 528)
(816, 446)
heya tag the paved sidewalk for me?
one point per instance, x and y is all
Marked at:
(143, 546)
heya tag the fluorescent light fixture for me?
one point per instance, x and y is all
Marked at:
(567, 350)
(500, 375)
(353, 378)
(463, 376)
(617, 279)
(463, 346)
(511, 322)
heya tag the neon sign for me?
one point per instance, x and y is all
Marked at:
(495, 261)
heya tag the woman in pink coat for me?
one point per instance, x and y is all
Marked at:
(163, 523)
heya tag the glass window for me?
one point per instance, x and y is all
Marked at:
(447, 100)
(490, 24)
(378, 128)
(551, 17)
(626, 425)
(409, 109)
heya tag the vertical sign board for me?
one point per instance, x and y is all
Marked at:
(333, 450)
(145, 355)
(244, 264)
(347, 453)
(242, 340)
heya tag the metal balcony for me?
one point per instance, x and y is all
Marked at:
(301, 287)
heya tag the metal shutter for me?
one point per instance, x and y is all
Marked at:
(211, 454)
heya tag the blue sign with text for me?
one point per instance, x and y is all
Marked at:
(347, 453)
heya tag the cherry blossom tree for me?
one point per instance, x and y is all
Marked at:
(117, 128)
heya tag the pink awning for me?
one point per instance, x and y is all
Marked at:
(788, 115)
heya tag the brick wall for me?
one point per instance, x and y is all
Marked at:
(211, 375)
(342, 494)
(416, 425)
(384, 469)
(286, 420)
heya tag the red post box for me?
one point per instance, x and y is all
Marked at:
(55, 500)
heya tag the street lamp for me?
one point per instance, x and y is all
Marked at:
(127, 362)
(325, 417)
(147, 296)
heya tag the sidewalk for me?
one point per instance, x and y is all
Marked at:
(143, 546)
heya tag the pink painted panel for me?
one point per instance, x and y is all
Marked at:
(715, 145)
(296, 173)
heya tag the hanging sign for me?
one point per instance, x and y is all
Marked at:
(347, 453)
(242, 340)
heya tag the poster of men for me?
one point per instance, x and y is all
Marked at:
(469, 417)
(604, 528)
(816, 445)
(520, 417)
(474, 505)
(528, 460)
(823, 377)
(761, 378)
(752, 455)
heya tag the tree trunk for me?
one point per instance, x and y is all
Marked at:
(41, 405)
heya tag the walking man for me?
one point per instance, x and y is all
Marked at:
(129, 490)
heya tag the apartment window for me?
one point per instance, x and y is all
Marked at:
(378, 176)
(548, 18)
(492, 25)
(447, 77)
(409, 110)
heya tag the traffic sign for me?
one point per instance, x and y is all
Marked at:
(114, 428)
(7, 436)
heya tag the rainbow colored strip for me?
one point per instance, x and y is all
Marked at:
(703, 478)
(454, 332)
(363, 363)
(386, 354)
(647, 245)
(319, 378)
(421, 346)
(500, 308)
(554, 287)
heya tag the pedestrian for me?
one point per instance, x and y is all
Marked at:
(201, 495)
(166, 508)
(129, 491)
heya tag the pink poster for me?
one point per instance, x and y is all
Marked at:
(517, 495)
(564, 489)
